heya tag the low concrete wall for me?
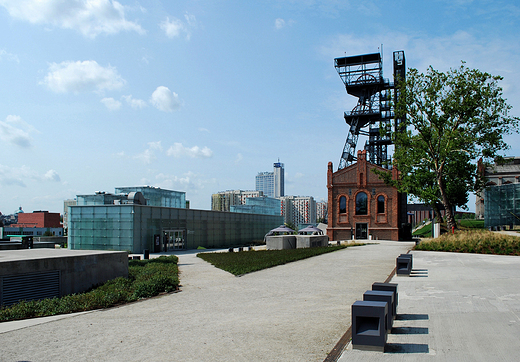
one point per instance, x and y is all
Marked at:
(78, 270)
(280, 242)
(311, 241)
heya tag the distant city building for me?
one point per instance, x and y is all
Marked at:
(265, 182)
(272, 184)
(321, 210)
(299, 210)
(38, 219)
(223, 200)
(279, 180)
(37, 223)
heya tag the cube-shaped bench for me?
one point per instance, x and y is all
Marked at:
(383, 296)
(369, 331)
(404, 264)
(389, 287)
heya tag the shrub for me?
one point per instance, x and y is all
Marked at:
(147, 278)
(474, 241)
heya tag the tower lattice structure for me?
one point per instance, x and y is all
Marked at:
(374, 111)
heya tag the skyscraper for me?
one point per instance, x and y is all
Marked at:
(279, 181)
(272, 184)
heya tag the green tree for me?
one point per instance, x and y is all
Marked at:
(450, 120)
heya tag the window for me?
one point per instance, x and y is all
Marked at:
(342, 205)
(381, 204)
(361, 204)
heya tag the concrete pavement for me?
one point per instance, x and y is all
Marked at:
(293, 312)
(454, 307)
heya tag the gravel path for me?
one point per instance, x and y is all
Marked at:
(293, 312)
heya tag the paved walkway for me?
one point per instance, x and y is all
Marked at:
(293, 312)
(454, 307)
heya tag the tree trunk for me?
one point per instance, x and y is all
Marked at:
(437, 213)
(450, 218)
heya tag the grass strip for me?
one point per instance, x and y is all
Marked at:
(146, 278)
(473, 241)
(251, 261)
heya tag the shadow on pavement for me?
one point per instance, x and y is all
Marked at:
(406, 348)
(412, 317)
(410, 330)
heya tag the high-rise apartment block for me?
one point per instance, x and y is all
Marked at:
(272, 184)
(299, 210)
(222, 201)
(321, 210)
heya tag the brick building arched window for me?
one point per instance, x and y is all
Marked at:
(342, 205)
(380, 204)
(361, 204)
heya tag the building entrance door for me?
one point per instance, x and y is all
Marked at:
(362, 231)
(173, 240)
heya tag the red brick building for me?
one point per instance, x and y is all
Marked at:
(361, 204)
(38, 219)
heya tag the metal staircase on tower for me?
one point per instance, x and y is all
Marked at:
(374, 111)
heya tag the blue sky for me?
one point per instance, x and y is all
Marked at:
(199, 96)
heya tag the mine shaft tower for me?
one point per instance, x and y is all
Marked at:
(377, 97)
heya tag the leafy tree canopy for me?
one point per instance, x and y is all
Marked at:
(447, 122)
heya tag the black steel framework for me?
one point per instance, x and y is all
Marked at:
(363, 78)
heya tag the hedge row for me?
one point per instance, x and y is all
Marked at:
(146, 278)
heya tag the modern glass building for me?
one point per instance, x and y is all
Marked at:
(129, 223)
(502, 205)
(259, 205)
(156, 196)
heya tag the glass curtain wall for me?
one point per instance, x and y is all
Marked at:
(502, 205)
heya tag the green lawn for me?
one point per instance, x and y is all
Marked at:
(471, 223)
(250, 261)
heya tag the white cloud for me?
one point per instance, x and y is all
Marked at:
(155, 145)
(81, 76)
(89, 17)
(178, 150)
(173, 181)
(279, 23)
(5, 55)
(134, 102)
(202, 129)
(148, 155)
(111, 103)
(17, 176)
(239, 158)
(15, 131)
(165, 100)
(52, 175)
(175, 27)
(172, 28)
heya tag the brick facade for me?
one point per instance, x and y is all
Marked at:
(38, 219)
(379, 216)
